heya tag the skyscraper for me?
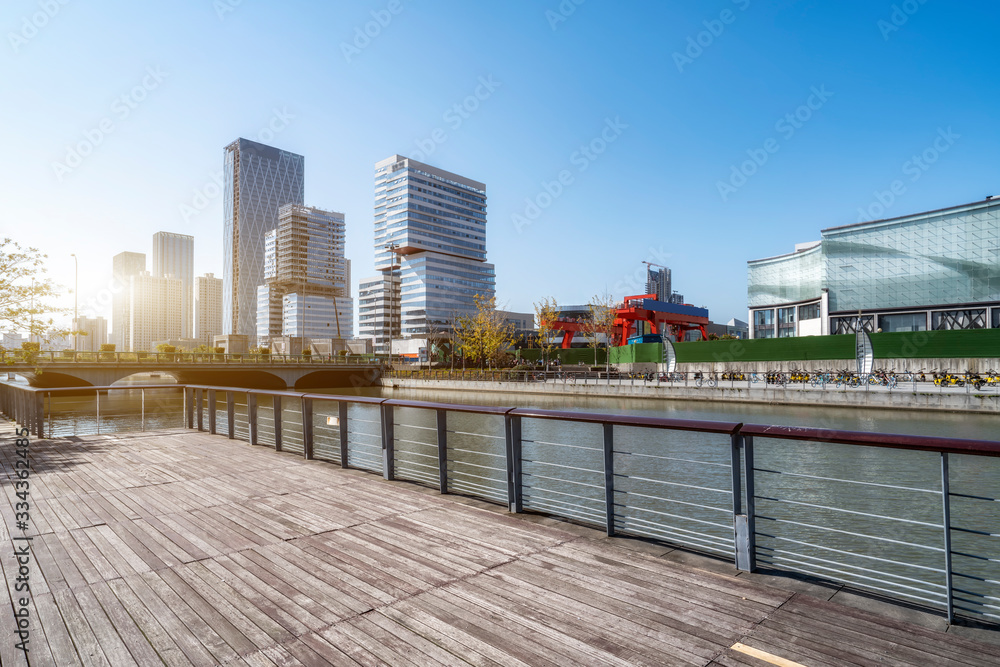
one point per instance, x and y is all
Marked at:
(154, 310)
(207, 308)
(430, 244)
(125, 265)
(95, 333)
(173, 255)
(306, 292)
(658, 283)
(259, 180)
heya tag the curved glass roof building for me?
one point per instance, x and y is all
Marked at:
(928, 271)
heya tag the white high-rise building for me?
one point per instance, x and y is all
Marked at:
(173, 256)
(125, 265)
(207, 308)
(94, 333)
(259, 180)
(430, 246)
(307, 289)
(154, 310)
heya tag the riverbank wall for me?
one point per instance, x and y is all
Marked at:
(918, 398)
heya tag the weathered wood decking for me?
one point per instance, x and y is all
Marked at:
(184, 548)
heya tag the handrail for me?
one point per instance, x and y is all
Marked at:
(731, 428)
(888, 440)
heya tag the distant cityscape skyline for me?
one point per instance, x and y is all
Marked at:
(606, 130)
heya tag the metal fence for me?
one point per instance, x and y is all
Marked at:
(912, 518)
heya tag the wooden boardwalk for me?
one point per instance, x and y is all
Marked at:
(180, 548)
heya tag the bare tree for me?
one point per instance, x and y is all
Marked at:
(600, 324)
(546, 313)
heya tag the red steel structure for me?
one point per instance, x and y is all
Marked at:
(663, 318)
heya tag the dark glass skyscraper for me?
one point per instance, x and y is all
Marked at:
(259, 180)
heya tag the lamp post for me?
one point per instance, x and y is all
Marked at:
(76, 301)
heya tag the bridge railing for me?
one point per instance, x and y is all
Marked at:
(13, 357)
(915, 519)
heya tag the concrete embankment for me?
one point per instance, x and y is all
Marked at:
(922, 396)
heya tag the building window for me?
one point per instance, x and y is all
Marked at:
(763, 323)
(903, 322)
(809, 312)
(996, 318)
(848, 325)
(786, 322)
(959, 319)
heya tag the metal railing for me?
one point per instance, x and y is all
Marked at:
(14, 357)
(899, 382)
(913, 518)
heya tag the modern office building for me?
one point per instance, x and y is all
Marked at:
(658, 283)
(173, 256)
(94, 333)
(124, 266)
(207, 308)
(154, 310)
(928, 271)
(259, 180)
(430, 239)
(306, 292)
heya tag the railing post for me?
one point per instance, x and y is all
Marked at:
(609, 477)
(230, 414)
(189, 407)
(142, 409)
(211, 411)
(252, 417)
(199, 395)
(307, 428)
(388, 443)
(98, 392)
(512, 431)
(742, 523)
(342, 411)
(277, 423)
(442, 440)
(946, 504)
(40, 414)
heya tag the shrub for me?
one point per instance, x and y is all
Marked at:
(107, 347)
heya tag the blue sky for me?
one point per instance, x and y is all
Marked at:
(693, 134)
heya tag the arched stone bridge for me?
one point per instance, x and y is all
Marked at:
(282, 374)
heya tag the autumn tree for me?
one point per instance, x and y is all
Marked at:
(600, 323)
(484, 336)
(546, 313)
(25, 292)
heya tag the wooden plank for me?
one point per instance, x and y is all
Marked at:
(84, 639)
(147, 622)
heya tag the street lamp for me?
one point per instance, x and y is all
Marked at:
(76, 300)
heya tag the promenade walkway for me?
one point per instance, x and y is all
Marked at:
(178, 547)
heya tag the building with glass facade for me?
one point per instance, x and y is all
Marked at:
(430, 241)
(207, 308)
(306, 290)
(929, 271)
(173, 255)
(259, 180)
(124, 266)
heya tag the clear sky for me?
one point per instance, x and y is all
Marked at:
(698, 135)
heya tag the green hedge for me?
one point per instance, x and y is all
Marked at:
(572, 356)
(909, 345)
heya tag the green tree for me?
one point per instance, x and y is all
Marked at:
(26, 294)
(600, 324)
(546, 313)
(484, 336)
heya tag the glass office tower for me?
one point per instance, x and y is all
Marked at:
(929, 271)
(430, 241)
(173, 255)
(259, 180)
